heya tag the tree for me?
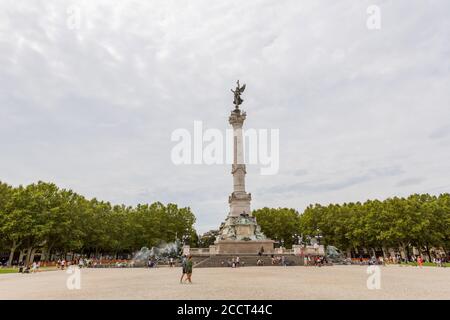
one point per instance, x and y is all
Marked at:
(279, 224)
(420, 221)
(43, 218)
(10, 227)
(208, 238)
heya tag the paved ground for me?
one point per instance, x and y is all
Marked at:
(336, 282)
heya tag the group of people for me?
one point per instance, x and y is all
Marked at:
(399, 260)
(279, 260)
(396, 259)
(317, 261)
(35, 266)
(152, 263)
(81, 263)
(233, 263)
(439, 262)
(29, 268)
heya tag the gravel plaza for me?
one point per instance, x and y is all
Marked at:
(334, 282)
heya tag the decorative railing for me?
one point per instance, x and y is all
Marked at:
(199, 251)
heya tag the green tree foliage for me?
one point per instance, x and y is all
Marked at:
(420, 220)
(43, 218)
(278, 224)
(208, 238)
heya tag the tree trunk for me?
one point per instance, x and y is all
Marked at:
(11, 253)
(44, 254)
(21, 255)
(403, 252)
(11, 257)
(427, 248)
(407, 253)
(49, 253)
(33, 253)
(374, 253)
(27, 259)
(384, 252)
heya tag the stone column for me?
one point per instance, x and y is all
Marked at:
(239, 200)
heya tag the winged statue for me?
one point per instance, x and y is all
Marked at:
(237, 94)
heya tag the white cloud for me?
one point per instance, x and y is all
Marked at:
(362, 113)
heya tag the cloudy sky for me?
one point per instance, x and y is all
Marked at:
(90, 92)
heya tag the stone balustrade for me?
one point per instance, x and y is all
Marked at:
(296, 250)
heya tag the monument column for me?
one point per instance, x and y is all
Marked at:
(239, 200)
(238, 168)
(240, 233)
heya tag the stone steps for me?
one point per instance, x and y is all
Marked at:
(225, 261)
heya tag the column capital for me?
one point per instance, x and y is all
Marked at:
(237, 118)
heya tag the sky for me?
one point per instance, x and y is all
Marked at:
(91, 91)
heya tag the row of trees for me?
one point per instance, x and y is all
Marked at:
(421, 221)
(44, 218)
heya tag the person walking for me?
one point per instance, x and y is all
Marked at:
(189, 266)
(183, 267)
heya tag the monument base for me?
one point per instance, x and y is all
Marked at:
(244, 247)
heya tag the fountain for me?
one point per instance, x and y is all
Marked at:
(159, 254)
(334, 255)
